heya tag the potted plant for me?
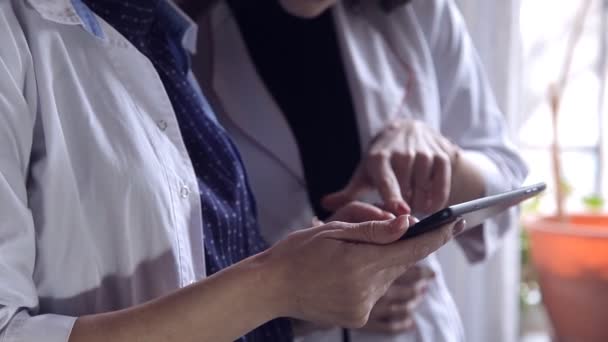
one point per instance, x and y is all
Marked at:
(570, 252)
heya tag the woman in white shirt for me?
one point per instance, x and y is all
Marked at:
(428, 127)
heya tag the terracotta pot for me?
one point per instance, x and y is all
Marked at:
(571, 258)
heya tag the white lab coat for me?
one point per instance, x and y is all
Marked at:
(417, 62)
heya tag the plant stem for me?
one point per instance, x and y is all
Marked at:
(556, 157)
(555, 97)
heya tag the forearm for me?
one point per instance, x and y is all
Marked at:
(468, 181)
(220, 308)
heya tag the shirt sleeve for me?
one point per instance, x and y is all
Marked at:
(471, 118)
(19, 321)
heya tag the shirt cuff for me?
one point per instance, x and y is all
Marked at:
(481, 242)
(48, 328)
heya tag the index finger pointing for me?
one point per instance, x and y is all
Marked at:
(441, 180)
(384, 179)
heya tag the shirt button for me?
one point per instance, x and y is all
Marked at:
(162, 125)
(184, 191)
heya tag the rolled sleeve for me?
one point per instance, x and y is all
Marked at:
(494, 180)
(481, 242)
(48, 328)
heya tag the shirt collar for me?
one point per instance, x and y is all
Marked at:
(133, 18)
(75, 12)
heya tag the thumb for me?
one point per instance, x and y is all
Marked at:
(349, 193)
(357, 212)
(372, 232)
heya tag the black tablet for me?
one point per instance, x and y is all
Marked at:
(475, 211)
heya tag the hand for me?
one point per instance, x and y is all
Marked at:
(393, 313)
(409, 164)
(333, 274)
(354, 212)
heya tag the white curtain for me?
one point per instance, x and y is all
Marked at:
(487, 294)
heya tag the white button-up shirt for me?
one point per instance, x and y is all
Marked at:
(98, 207)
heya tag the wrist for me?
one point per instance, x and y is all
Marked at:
(467, 180)
(271, 284)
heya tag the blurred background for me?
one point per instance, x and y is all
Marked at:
(547, 62)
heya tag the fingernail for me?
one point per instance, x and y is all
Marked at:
(459, 227)
(412, 220)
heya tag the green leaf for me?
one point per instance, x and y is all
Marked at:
(594, 202)
(566, 188)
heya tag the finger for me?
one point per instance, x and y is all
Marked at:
(316, 222)
(447, 146)
(415, 274)
(390, 310)
(402, 165)
(383, 178)
(396, 309)
(441, 176)
(401, 310)
(409, 296)
(427, 272)
(373, 232)
(398, 294)
(357, 212)
(413, 304)
(408, 252)
(356, 186)
(390, 327)
(384, 207)
(421, 180)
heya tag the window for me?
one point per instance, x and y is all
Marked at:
(546, 29)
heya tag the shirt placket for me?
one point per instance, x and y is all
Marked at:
(166, 140)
